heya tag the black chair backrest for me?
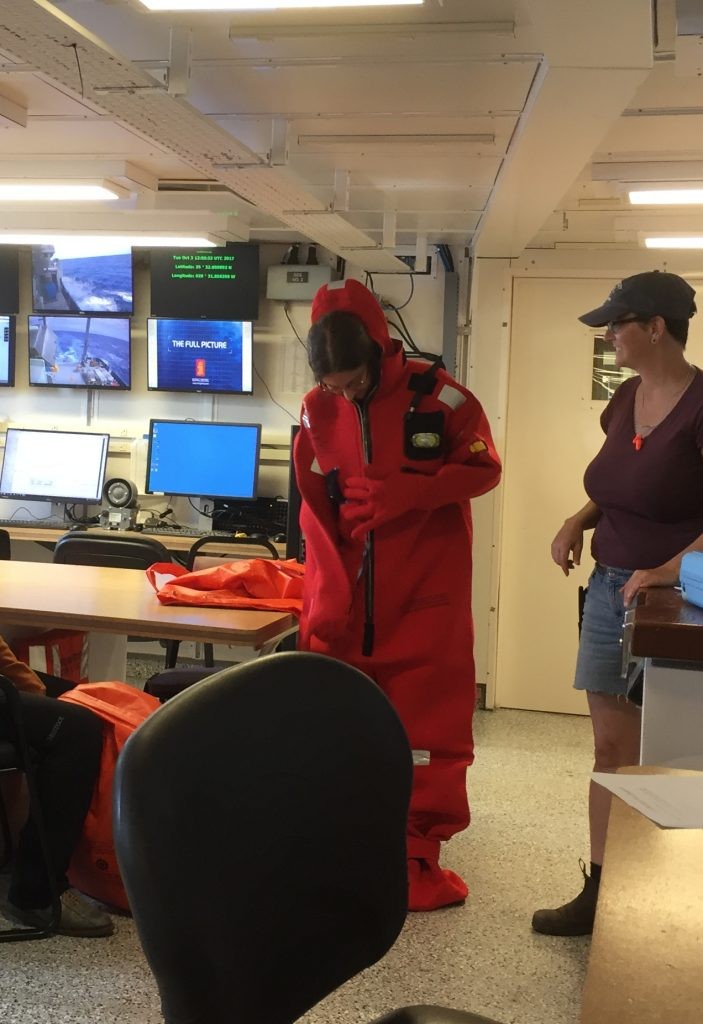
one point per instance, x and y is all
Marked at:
(218, 543)
(259, 823)
(5, 548)
(119, 552)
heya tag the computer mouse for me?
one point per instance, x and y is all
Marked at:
(77, 526)
(279, 538)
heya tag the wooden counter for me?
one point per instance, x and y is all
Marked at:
(664, 625)
(646, 962)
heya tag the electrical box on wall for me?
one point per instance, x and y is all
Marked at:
(296, 283)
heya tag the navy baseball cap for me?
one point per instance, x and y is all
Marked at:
(654, 293)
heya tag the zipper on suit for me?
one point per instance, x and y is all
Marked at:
(368, 637)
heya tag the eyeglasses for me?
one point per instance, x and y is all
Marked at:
(353, 385)
(613, 325)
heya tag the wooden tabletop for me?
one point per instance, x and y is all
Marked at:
(664, 625)
(646, 962)
(55, 596)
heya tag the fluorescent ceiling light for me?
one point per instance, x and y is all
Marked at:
(269, 5)
(109, 239)
(50, 192)
(666, 197)
(675, 242)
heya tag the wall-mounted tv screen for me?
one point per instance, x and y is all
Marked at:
(68, 279)
(80, 352)
(209, 460)
(7, 351)
(9, 280)
(53, 465)
(221, 284)
(199, 355)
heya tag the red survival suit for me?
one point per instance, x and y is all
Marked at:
(395, 600)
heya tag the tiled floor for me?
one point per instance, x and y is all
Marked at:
(528, 794)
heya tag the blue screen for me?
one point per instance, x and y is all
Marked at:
(214, 460)
(80, 352)
(199, 355)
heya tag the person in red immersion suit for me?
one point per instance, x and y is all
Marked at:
(389, 453)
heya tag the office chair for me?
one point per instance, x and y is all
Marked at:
(293, 774)
(115, 551)
(5, 547)
(16, 757)
(171, 680)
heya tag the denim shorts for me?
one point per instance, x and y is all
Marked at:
(599, 662)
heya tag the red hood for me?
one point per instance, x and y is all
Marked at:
(353, 297)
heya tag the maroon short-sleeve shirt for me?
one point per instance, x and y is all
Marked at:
(651, 500)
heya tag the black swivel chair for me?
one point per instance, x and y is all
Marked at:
(116, 551)
(293, 773)
(16, 756)
(5, 547)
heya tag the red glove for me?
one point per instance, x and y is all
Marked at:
(371, 502)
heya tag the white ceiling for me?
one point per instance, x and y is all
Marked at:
(494, 124)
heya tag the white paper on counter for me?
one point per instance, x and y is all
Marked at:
(673, 801)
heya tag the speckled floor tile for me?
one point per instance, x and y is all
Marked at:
(528, 796)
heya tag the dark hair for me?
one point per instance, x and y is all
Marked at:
(337, 342)
(678, 329)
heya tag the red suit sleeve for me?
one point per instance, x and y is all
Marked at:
(471, 468)
(328, 590)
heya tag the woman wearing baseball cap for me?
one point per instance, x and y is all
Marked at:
(645, 507)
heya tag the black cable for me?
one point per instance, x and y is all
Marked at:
(405, 336)
(268, 389)
(208, 515)
(407, 301)
(407, 332)
(74, 47)
(285, 310)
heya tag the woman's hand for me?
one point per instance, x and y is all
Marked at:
(569, 541)
(666, 575)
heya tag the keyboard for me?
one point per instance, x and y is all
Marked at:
(37, 524)
(186, 531)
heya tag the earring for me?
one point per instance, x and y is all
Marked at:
(654, 339)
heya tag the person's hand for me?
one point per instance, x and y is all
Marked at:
(568, 542)
(666, 575)
(369, 503)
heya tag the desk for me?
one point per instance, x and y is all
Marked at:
(171, 541)
(667, 632)
(647, 948)
(122, 602)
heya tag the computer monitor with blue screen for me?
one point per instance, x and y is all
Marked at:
(212, 356)
(53, 465)
(7, 351)
(208, 460)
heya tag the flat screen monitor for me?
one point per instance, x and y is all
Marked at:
(9, 280)
(196, 459)
(67, 279)
(53, 465)
(80, 352)
(7, 351)
(199, 355)
(221, 283)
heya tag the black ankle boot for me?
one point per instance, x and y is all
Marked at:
(574, 918)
